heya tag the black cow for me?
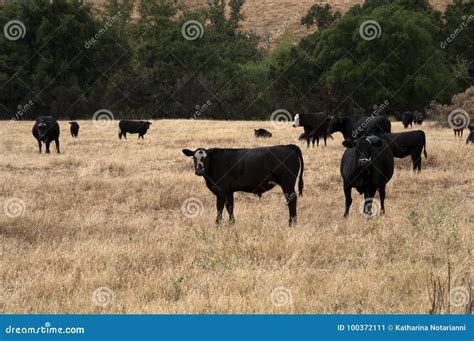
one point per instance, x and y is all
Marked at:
(407, 119)
(470, 138)
(315, 126)
(418, 118)
(410, 143)
(262, 133)
(74, 129)
(353, 127)
(133, 127)
(46, 130)
(366, 165)
(254, 170)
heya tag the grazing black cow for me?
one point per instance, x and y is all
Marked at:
(46, 130)
(315, 126)
(409, 143)
(74, 129)
(418, 118)
(407, 119)
(458, 132)
(133, 127)
(254, 170)
(470, 138)
(262, 133)
(366, 165)
(353, 127)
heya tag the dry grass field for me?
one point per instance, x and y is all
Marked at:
(99, 228)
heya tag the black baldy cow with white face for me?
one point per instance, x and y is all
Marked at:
(315, 126)
(46, 130)
(255, 170)
(366, 165)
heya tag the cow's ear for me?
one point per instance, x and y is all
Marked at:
(148, 122)
(188, 152)
(374, 141)
(348, 143)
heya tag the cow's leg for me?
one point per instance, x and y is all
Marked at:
(382, 199)
(325, 138)
(414, 159)
(291, 198)
(220, 202)
(120, 135)
(57, 145)
(39, 144)
(124, 135)
(229, 205)
(317, 141)
(308, 141)
(347, 194)
(369, 200)
(47, 146)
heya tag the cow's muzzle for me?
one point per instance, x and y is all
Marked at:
(363, 162)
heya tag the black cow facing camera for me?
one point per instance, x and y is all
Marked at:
(45, 130)
(262, 133)
(366, 165)
(133, 127)
(407, 119)
(418, 118)
(255, 170)
(74, 128)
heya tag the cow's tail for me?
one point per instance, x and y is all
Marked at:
(300, 179)
(424, 148)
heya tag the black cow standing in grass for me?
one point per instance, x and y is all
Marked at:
(366, 165)
(353, 127)
(46, 130)
(410, 143)
(74, 129)
(255, 170)
(418, 118)
(262, 133)
(315, 126)
(407, 119)
(470, 138)
(133, 127)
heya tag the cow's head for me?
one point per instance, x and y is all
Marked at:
(364, 151)
(335, 125)
(42, 127)
(297, 122)
(200, 158)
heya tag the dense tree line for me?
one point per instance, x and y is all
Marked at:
(155, 58)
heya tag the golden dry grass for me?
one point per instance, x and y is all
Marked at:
(107, 213)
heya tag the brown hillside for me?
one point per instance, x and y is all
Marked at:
(268, 16)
